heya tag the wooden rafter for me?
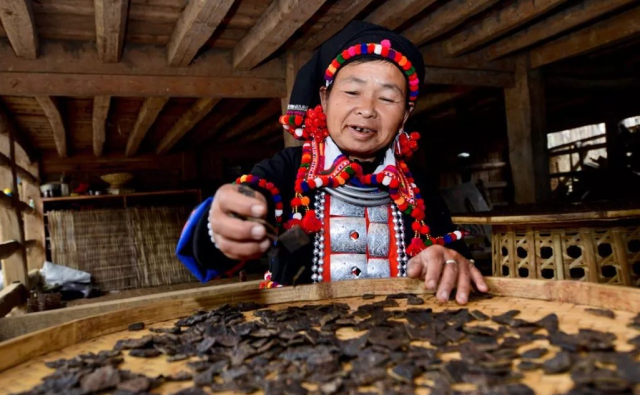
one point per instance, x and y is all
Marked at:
(146, 117)
(264, 112)
(275, 26)
(268, 128)
(111, 22)
(213, 125)
(34, 84)
(145, 60)
(196, 24)
(436, 55)
(553, 25)
(143, 72)
(588, 39)
(434, 100)
(100, 112)
(352, 8)
(393, 13)
(57, 126)
(445, 18)
(499, 23)
(187, 121)
(17, 20)
(465, 77)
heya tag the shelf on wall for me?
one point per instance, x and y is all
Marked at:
(124, 196)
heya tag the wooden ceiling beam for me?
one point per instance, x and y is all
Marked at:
(351, 9)
(435, 100)
(17, 20)
(499, 23)
(444, 19)
(269, 127)
(196, 24)
(215, 124)
(148, 114)
(99, 118)
(57, 126)
(279, 22)
(264, 112)
(465, 77)
(436, 55)
(393, 13)
(187, 121)
(35, 84)
(553, 25)
(146, 60)
(111, 21)
(598, 35)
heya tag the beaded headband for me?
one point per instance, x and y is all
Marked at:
(384, 50)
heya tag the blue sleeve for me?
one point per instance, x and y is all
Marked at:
(190, 239)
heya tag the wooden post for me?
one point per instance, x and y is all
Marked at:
(558, 256)
(11, 226)
(291, 69)
(531, 254)
(590, 255)
(620, 251)
(34, 224)
(513, 254)
(526, 129)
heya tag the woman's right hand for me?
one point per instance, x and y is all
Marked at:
(237, 238)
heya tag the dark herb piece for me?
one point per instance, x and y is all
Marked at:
(506, 318)
(560, 363)
(414, 300)
(368, 296)
(138, 326)
(601, 312)
(534, 353)
(479, 315)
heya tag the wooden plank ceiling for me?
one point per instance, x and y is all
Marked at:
(153, 76)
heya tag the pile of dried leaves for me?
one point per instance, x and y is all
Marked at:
(281, 350)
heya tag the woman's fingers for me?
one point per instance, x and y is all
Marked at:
(235, 237)
(416, 268)
(447, 282)
(478, 279)
(240, 250)
(240, 199)
(434, 265)
(464, 282)
(236, 229)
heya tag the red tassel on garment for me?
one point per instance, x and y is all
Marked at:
(415, 247)
(309, 223)
(291, 223)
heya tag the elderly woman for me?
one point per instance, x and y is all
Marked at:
(348, 187)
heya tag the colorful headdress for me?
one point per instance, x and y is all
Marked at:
(358, 40)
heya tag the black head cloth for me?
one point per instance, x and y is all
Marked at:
(356, 41)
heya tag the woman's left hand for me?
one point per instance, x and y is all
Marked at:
(431, 265)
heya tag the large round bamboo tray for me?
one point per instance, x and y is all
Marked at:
(22, 359)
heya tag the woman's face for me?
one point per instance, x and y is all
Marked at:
(366, 107)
